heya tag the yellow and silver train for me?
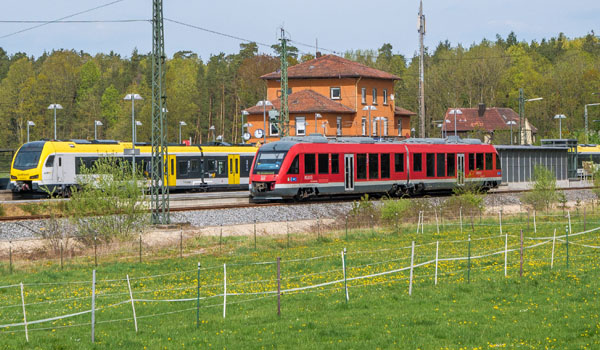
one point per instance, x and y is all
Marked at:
(42, 166)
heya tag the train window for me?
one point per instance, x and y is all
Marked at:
(237, 166)
(335, 163)
(50, 162)
(172, 167)
(450, 164)
(194, 166)
(471, 161)
(417, 162)
(373, 166)
(361, 166)
(221, 165)
(430, 160)
(295, 166)
(231, 165)
(498, 162)
(324, 163)
(59, 161)
(182, 167)
(479, 161)
(441, 164)
(385, 165)
(309, 163)
(399, 162)
(488, 161)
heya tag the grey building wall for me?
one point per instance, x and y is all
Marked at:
(518, 162)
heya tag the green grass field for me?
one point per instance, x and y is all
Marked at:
(476, 308)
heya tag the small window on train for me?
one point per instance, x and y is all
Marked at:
(49, 162)
(373, 166)
(59, 161)
(450, 164)
(479, 161)
(385, 165)
(172, 166)
(471, 161)
(498, 167)
(194, 166)
(399, 162)
(324, 163)
(417, 162)
(430, 160)
(489, 158)
(361, 166)
(295, 166)
(441, 164)
(182, 167)
(335, 163)
(309, 163)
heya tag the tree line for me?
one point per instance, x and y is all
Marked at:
(564, 71)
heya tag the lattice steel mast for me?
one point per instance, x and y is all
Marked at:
(421, 30)
(159, 191)
(284, 114)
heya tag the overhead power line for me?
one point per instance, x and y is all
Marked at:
(60, 19)
(83, 21)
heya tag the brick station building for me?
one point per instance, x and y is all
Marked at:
(327, 95)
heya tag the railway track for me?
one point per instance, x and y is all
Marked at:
(233, 200)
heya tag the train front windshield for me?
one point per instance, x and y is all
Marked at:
(28, 156)
(268, 162)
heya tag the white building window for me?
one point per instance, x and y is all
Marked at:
(300, 126)
(385, 126)
(374, 96)
(385, 97)
(336, 93)
(364, 126)
(374, 123)
(339, 126)
(364, 95)
(273, 131)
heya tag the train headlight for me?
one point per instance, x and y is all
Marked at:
(33, 177)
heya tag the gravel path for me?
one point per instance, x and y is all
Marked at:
(32, 228)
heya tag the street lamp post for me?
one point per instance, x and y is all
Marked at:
(522, 101)
(455, 111)
(29, 123)
(317, 116)
(245, 114)
(133, 97)
(585, 114)
(181, 123)
(212, 131)
(560, 117)
(511, 123)
(55, 106)
(97, 123)
(264, 104)
(370, 108)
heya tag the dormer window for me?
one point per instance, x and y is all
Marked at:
(336, 93)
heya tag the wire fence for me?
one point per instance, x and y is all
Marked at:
(31, 307)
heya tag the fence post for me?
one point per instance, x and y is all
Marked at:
(469, 262)
(372, 226)
(93, 305)
(437, 249)
(553, 243)
(181, 243)
(569, 216)
(344, 268)
(278, 286)
(460, 216)
(419, 222)
(224, 289)
(346, 224)
(412, 262)
(132, 304)
(10, 263)
(437, 224)
(397, 224)
(24, 314)
(500, 219)
(198, 298)
(567, 239)
(95, 251)
(521, 268)
(505, 254)
(140, 248)
(534, 223)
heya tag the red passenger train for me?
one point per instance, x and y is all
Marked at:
(303, 167)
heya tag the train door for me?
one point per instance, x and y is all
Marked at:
(172, 169)
(349, 172)
(234, 169)
(460, 169)
(59, 169)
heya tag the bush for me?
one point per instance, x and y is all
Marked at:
(392, 209)
(467, 198)
(364, 211)
(543, 195)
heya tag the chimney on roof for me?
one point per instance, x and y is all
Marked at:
(318, 54)
(481, 110)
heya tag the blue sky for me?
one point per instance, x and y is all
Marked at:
(338, 25)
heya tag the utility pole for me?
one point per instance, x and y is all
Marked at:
(159, 191)
(421, 30)
(521, 111)
(284, 115)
